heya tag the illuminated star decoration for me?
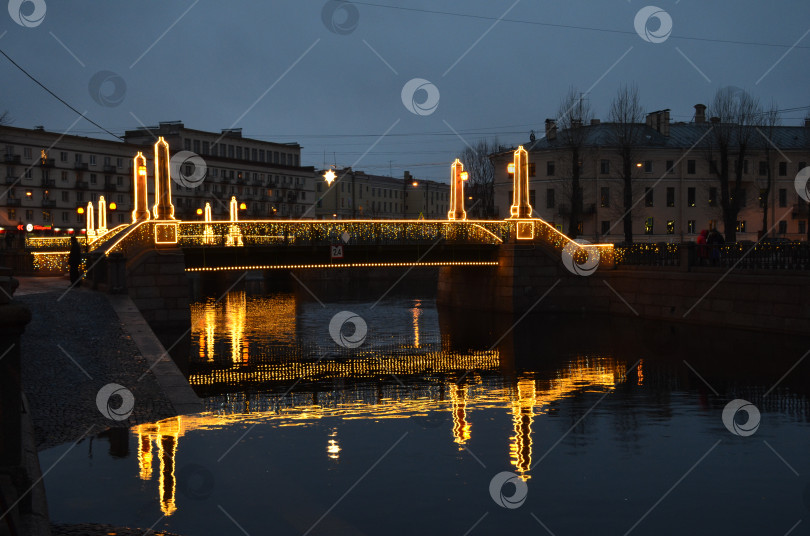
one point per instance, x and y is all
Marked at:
(329, 176)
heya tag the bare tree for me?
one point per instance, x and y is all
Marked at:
(734, 116)
(770, 119)
(573, 113)
(5, 119)
(627, 124)
(481, 181)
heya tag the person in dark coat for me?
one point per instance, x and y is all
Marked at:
(75, 260)
(715, 240)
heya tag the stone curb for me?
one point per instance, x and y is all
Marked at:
(169, 378)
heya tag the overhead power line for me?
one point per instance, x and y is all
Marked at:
(575, 27)
(57, 97)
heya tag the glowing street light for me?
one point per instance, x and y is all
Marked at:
(80, 210)
(199, 212)
(511, 168)
(242, 206)
(112, 206)
(329, 176)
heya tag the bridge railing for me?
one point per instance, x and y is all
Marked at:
(302, 233)
(740, 256)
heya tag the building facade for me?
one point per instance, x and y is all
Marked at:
(676, 192)
(49, 176)
(267, 177)
(357, 195)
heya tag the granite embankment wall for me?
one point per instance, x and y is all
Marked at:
(531, 277)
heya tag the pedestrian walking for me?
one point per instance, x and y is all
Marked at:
(74, 261)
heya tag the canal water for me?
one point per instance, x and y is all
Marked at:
(408, 419)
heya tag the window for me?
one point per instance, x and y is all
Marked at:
(712, 197)
(550, 168)
(763, 168)
(648, 166)
(12, 214)
(648, 226)
(106, 160)
(670, 166)
(80, 197)
(740, 226)
(550, 198)
(690, 226)
(92, 178)
(65, 195)
(605, 227)
(63, 156)
(119, 162)
(648, 197)
(802, 227)
(261, 155)
(670, 196)
(531, 198)
(187, 144)
(77, 158)
(230, 151)
(46, 216)
(120, 181)
(782, 169)
(29, 215)
(604, 167)
(275, 157)
(605, 196)
(28, 174)
(80, 218)
(239, 152)
(782, 227)
(670, 226)
(92, 160)
(532, 169)
(782, 197)
(197, 146)
(690, 167)
(65, 217)
(27, 152)
(690, 197)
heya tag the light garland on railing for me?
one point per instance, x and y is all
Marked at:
(344, 265)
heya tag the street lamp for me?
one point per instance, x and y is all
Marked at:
(329, 176)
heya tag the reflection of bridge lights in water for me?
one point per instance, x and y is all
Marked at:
(527, 401)
(417, 310)
(166, 434)
(462, 429)
(332, 446)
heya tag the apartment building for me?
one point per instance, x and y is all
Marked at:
(676, 192)
(49, 176)
(266, 176)
(355, 194)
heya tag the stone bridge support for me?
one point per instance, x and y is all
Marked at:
(157, 283)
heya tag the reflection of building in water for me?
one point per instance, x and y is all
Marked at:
(166, 434)
(461, 428)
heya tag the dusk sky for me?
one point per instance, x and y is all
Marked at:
(281, 73)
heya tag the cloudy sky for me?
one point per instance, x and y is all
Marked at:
(330, 75)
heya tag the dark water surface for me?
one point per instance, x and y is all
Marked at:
(614, 425)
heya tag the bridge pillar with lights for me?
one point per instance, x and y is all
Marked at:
(457, 178)
(163, 208)
(141, 210)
